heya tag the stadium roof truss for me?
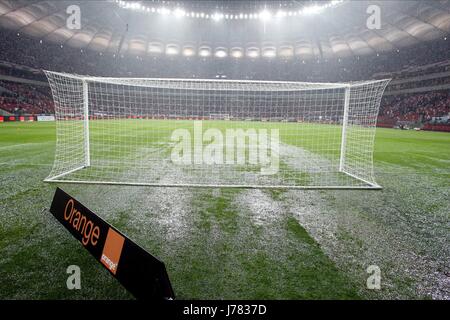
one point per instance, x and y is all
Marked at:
(342, 32)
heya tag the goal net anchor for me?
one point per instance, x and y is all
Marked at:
(121, 131)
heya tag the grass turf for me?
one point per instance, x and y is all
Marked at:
(221, 243)
(139, 151)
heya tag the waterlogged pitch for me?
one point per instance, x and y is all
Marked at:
(238, 243)
(213, 153)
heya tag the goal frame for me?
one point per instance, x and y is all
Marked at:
(342, 158)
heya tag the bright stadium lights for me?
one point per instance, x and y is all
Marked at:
(280, 14)
(253, 53)
(204, 52)
(165, 11)
(217, 16)
(265, 15)
(155, 48)
(270, 53)
(179, 13)
(221, 53)
(236, 53)
(171, 51)
(286, 51)
(188, 52)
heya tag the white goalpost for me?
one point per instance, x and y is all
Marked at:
(214, 133)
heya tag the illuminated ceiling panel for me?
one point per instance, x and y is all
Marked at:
(404, 24)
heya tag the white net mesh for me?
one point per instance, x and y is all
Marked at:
(173, 132)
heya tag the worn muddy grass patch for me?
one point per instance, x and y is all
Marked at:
(387, 228)
(243, 250)
(36, 251)
(240, 243)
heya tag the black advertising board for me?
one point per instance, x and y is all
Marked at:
(142, 274)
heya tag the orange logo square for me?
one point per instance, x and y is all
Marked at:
(112, 250)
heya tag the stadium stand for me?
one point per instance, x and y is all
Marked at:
(418, 95)
(20, 98)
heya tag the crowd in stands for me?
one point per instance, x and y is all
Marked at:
(429, 58)
(39, 54)
(20, 98)
(417, 107)
(429, 76)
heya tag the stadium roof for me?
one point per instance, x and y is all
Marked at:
(305, 29)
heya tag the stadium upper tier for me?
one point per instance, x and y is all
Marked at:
(229, 29)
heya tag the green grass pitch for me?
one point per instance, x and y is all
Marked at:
(139, 151)
(237, 243)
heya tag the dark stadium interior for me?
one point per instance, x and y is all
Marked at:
(418, 60)
(414, 50)
(355, 116)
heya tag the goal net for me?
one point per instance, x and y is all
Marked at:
(170, 132)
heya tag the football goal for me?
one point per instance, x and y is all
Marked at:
(216, 133)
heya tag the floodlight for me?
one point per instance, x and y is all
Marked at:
(221, 53)
(236, 52)
(188, 51)
(265, 15)
(165, 11)
(179, 13)
(217, 16)
(171, 51)
(204, 52)
(280, 14)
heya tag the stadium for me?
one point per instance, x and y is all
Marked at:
(283, 150)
